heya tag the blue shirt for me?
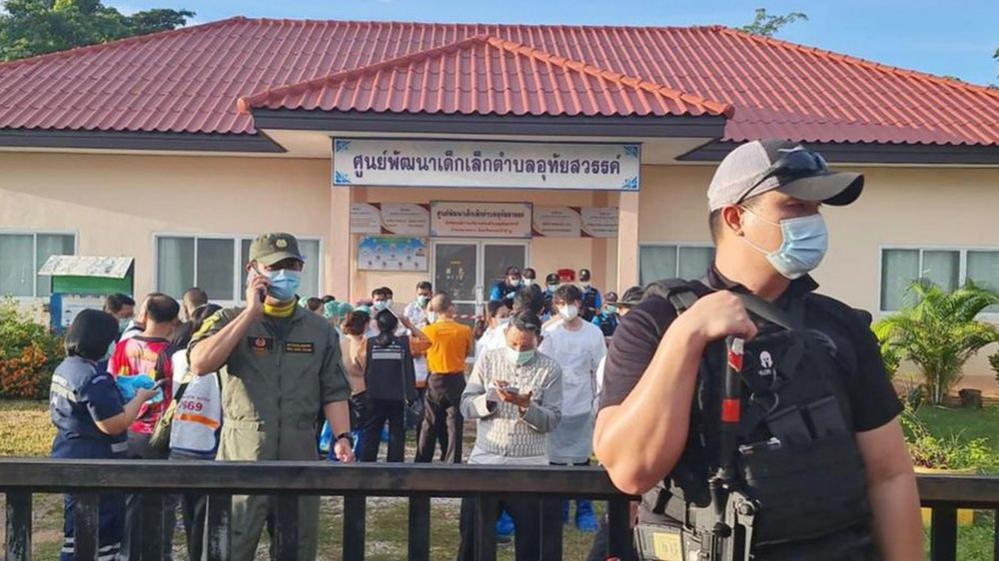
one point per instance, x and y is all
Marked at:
(80, 395)
(607, 323)
(501, 290)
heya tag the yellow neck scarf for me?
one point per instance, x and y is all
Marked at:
(280, 310)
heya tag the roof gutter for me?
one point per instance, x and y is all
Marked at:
(527, 125)
(131, 140)
(869, 153)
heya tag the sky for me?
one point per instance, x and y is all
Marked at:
(950, 38)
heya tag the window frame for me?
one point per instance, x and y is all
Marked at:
(678, 246)
(237, 242)
(34, 255)
(962, 268)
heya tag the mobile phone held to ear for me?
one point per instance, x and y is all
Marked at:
(261, 293)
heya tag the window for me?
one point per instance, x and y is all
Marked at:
(948, 268)
(983, 269)
(216, 265)
(657, 262)
(23, 254)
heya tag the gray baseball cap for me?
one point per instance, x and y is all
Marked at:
(780, 165)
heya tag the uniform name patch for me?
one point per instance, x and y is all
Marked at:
(260, 345)
(304, 348)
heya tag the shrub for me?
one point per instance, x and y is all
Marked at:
(29, 353)
(939, 333)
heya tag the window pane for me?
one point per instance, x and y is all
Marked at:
(496, 258)
(942, 268)
(46, 246)
(244, 258)
(694, 262)
(656, 262)
(17, 277)
(983, 269)
(216, 268)
(899, 267)
(174, 265)
(455, 270)
(313, 264)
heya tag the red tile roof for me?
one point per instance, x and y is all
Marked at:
(485, 75)
(188, 80)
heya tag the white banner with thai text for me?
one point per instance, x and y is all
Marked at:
(486, 164)
(480, 220)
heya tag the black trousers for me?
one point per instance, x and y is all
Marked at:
(442, 402)
(419, 406)
(377, 412)
(538, 523)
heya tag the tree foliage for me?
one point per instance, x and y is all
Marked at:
(35, 27)
(939, 333)
(768, 25)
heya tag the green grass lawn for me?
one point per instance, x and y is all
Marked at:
(25, 430)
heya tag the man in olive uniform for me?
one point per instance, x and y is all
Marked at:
(279, 364)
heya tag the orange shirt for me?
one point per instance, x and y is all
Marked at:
(450, 343)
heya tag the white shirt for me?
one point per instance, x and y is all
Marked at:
(493, 338)
(579, 354)
(179, 363)
(417, 315)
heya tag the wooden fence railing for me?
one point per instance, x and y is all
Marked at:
(154, 480)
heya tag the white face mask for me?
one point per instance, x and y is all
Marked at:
(528, 282)
(568, 311)
(431, 317)
(501, 323)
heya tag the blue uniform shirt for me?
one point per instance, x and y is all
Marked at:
(502, 291)
(80, 395)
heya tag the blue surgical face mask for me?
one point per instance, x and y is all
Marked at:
(382, 305)
(109, 352)
(123, 324)
(284, 283)
(806, 240)
(423, 300)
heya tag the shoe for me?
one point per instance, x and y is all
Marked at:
(504, 526)
(586, 521)
(565, 513)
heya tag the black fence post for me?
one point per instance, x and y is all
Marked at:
(18, 546)
(151, 518)
(354, 513)
(619, 526)
(943, 533)
(286, 527)
(419, 528)
(485, 528)
(995, 537)
(85, 526)
(218, 527)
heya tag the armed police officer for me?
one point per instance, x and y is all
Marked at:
(279, 363)
(816, 467)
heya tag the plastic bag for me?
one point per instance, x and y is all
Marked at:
(129, 384)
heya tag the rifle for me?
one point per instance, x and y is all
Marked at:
(726, 526)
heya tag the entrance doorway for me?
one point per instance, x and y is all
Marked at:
(467, 270)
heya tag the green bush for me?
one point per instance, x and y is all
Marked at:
(29, 353)
(945, 452)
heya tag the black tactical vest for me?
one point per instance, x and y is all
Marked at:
(797, 459)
